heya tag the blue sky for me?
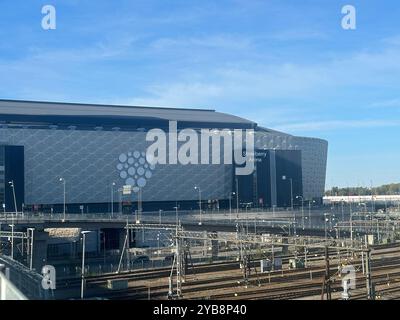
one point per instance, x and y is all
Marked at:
(286, 64)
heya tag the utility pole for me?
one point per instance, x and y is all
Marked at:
(83, 262)
(63, 181)
(351, 223)
(112, 199)
(342, 212)
(31, 249)
(176, 215)
(237, 197)
(230, 204)
(291, 199)
(302, 210)
(15, 199)
(12, 239)
(369, 285)
(326, 285)
(200, 211)
(178, 264)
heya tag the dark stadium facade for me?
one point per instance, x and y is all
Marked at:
(99, 149)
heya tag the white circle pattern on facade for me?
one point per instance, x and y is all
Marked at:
(134, 169)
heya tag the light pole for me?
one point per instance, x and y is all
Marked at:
(310, 202)
(237, 197)
(198, 188)
(291, 190)
(351, 222)
(31, 249)
(365, 210)
(83, 261)
(159, 213)
(112, 199)
(302, 209)
(158, 244)
(12, 240)
(176, 215)
(11, 183)
(291, 202)
(230, 205)
(247, 205)
(342, 211)
(63, 181)
(325, 225)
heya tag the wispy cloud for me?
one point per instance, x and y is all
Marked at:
(392, 103)
(334, 125)
(219, 41)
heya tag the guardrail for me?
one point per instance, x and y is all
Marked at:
(7, 290)
(223, 218)
(21, 282)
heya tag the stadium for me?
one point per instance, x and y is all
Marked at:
(84, 155)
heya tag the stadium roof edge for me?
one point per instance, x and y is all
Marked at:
(100, 105)
(47, 108)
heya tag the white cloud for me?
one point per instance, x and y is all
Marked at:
(336, 125)
(228, 86)
(218, 41)
(392, 103)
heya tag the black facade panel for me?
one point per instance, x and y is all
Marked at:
(288, 164)
(245, 189)
(263, 173)
(14, 171)
(256, 188)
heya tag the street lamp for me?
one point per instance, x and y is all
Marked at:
(12, 240)
(83, 261)
(291, 201)
(198, 188)
(237, 197)
(176, 215)
(310, 202)
(63, 181)
(325, 225)
(291, 190)
(302, 209)
(11, 183)
(31, 249)
(112, 199)
(351, 222)
(230, 205)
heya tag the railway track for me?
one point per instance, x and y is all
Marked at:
(211, 281)
(163, 272)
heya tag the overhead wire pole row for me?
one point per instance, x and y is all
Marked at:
(246, 240)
